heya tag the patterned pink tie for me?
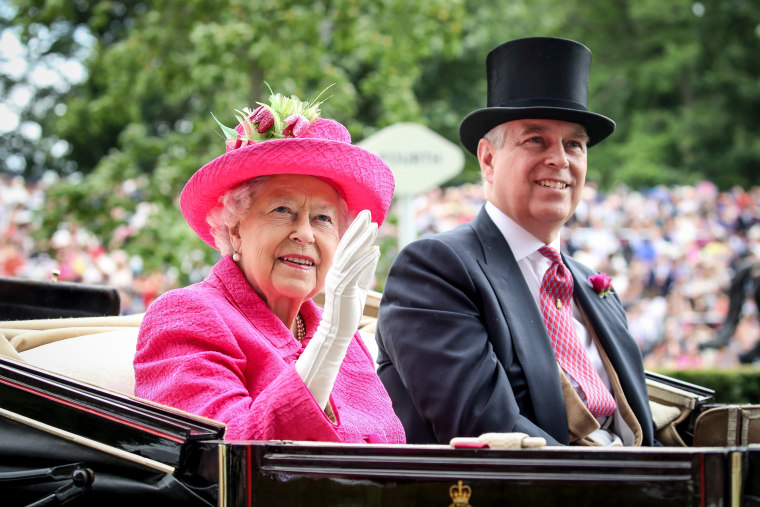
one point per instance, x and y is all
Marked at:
(556, 291)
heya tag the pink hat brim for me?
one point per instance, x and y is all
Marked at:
(362, 179)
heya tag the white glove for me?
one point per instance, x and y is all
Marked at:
(499, 441)
(346, 289)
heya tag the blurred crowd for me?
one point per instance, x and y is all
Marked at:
(73, 252)
(672, 254)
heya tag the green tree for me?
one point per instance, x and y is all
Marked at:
(55, 34)
(143, 114)
(680, 78)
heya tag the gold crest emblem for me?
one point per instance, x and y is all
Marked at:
(460, 495)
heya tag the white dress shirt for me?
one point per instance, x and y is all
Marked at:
(533, 265)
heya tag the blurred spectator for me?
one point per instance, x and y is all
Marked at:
(72, 249)
(671, 253)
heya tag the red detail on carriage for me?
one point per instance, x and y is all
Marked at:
(470, 445)
(249, 477)
(95, 412)
(702, 479)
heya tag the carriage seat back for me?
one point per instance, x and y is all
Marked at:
(100, 350)
(96, 350)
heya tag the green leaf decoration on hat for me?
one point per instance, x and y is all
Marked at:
(228, 132)
(282, 117)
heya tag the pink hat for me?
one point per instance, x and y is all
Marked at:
(302, 143)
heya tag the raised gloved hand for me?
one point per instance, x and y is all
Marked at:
(346, 289)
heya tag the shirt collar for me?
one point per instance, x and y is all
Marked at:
(521, 242)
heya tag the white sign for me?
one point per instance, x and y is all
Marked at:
(419, 158)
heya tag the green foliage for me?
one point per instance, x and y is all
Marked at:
(732, 385)
(158, 70)
(679, 78)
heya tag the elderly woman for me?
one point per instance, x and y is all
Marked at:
(247, 346)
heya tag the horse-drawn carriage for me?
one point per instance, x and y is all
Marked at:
(71, 431)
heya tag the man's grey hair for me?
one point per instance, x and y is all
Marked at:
(495, 136)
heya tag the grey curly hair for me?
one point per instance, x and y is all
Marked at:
(495, 136)
(235, 206)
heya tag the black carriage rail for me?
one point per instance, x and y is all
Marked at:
(146, 451)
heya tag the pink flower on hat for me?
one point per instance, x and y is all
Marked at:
(297, 125)
(266, 121)
(262, 119)
(234, 144)
(601, 283)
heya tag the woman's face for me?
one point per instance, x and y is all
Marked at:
(287, 241)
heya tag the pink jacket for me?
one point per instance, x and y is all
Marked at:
(215, 349)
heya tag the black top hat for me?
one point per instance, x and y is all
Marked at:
(536, 78)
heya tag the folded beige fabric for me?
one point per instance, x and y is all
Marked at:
(7, 350)
(97, 350)
(513, 440)
(102, 359)
(27, 334)
(662, 415)
(39, 324)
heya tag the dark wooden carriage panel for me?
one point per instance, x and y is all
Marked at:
(321, 475)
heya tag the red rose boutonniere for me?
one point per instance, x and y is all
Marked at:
(601, 283)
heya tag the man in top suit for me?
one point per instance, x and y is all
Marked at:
(464, 348)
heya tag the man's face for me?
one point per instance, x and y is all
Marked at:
(537, 176)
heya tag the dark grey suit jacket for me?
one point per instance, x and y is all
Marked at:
(463, 349)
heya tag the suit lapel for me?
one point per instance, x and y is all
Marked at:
(610, 324)
(601, 313)
(526, 328)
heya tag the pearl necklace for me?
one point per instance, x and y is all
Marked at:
(300, 328)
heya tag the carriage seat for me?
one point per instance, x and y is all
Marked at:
(100, 350)
(96, 350)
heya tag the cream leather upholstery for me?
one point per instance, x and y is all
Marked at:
(100, 350)
(96, 350)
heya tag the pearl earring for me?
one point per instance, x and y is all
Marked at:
(236, 257)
